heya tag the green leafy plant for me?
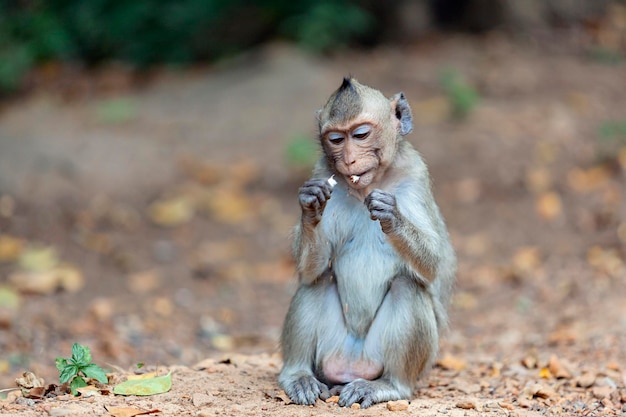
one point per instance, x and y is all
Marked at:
(612, 138)
(301, 151)
(462, 96)
(329, 24)
(75, 369)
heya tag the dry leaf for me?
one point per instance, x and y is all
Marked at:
(464, 300)
(538, 180)
(586, 380)
(171, 212)
(607, 261)
(527, 259)
(69, 278)
(557, 368)
(10, 248)
(280, 396)
(230, 205)
(333, 399)
(466, 405)
(530, 362)
(203, 172)
(243, 173)
(162, 306)
(545, 152)
(602, 392)
(27, 381)
(144, 282)
(545, 373)
(128, 411)
(223, 342)
(147, 375)
(539, 391)
(586, 180)
(549, 205)
(399, 405)
(38, 259)
(451, 363)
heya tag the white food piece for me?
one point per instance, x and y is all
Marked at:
(354, 178)
(332, 181)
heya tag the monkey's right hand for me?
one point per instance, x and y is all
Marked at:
(313, 196)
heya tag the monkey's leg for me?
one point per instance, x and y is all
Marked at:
(313, 311)
(405, 331)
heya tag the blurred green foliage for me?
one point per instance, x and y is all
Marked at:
(462, 96)
(612, 138)
(146, 32)
(302, 151)
(328, 24)
(116, 111)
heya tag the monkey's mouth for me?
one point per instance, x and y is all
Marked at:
(360, 180)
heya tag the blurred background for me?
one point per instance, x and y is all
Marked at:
(151, 152)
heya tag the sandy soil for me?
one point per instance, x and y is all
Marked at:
(532, 189)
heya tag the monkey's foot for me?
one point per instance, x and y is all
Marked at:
(368, 393)
(305, 390)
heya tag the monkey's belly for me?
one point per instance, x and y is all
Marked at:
(342, 370)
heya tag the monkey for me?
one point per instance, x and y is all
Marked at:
(374, 259)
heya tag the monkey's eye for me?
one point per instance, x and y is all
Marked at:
(361, 132)
(335, 138)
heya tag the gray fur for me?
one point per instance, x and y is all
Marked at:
(378, 271)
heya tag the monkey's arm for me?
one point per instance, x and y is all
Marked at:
(414, 235)
(311, 250)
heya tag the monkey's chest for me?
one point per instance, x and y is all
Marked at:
(363, 263)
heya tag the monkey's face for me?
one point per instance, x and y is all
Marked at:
(356, 151)
(360, 129)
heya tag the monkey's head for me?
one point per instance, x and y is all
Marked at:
(360, 129)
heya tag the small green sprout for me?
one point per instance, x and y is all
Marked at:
(462, 96)
(75, 369)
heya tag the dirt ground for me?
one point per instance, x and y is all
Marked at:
(169, 204)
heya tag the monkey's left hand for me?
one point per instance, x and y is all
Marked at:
(382, 207)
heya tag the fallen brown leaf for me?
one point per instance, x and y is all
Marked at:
(171, 212)
(10, 248)
(280, 396)
(586, 180)
(549, 205)
(128, 411)
(466, 405)
(538, 180)
(28, 381)
(451, 363)
(586, 380)
(602, 392)
(537, 390)
(557, 368)
(399, 405)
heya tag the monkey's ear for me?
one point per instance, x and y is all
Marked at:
(402, 110)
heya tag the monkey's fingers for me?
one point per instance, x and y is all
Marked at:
(313, 196)
(306, 390)
(309, 202)
(318, 183)
(381, 197)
